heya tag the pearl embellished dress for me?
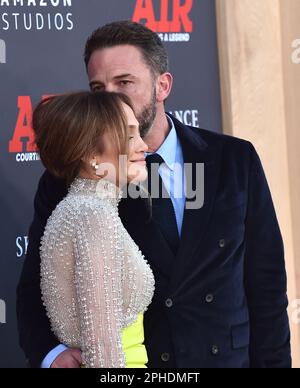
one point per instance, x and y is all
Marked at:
(95, 281)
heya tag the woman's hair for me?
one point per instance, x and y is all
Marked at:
(69, 128)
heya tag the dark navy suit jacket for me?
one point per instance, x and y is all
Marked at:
(221, 301)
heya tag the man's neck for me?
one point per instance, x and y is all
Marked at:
(158, 133)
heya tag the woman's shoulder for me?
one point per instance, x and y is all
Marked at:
(88, 208)
(72, 207)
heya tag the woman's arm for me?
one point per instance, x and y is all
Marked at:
(99, 259)
(35, 335)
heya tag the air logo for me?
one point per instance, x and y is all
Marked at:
(23, 129)
(2, 51)
(179, 22)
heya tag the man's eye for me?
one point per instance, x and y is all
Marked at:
(125, 83)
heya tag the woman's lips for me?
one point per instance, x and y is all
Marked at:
(141, 162)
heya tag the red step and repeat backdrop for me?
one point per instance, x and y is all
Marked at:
(41, 53)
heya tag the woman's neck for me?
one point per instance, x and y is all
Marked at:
(84, 175)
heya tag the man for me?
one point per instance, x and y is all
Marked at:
(220, 298)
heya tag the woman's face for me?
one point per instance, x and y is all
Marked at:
(110, 168)
(136, 163)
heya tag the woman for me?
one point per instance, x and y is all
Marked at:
(95, 282)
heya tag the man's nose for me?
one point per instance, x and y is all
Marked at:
(110, 88)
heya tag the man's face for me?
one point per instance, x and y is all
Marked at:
(122, 69)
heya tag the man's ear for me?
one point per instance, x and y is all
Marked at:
(163, 86)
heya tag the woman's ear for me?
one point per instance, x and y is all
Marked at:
(164, 86)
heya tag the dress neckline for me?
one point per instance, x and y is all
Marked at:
(101, 188)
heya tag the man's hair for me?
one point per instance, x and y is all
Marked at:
(134, 34)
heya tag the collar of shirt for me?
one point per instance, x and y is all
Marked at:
(169, 147)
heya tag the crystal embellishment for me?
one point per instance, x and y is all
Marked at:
(94, 279)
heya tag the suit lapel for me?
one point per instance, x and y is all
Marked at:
(195, 150)
(146, 234)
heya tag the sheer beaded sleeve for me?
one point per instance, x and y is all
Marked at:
(94, 279)
(98, 278)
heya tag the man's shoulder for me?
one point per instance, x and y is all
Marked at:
(54, 187)
(47, 179)
(230, 146)
(50, 193)
(211, 137)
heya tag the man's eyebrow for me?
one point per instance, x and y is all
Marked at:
(117, 77)
(124, 76)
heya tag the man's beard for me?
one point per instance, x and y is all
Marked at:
(147, 116)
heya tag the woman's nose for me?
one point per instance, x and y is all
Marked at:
(144, 147)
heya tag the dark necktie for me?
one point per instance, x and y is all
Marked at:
(163, 213)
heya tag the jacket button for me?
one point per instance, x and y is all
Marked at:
(165, 357)
(169, 303)
(215, 350)
(209, 298)
(222, 243)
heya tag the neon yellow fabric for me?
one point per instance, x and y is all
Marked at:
(133, 344)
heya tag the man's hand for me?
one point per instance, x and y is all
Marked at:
(70, 358)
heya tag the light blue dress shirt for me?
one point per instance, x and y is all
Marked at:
(173, 177)
(51, 356)
(172, 172)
